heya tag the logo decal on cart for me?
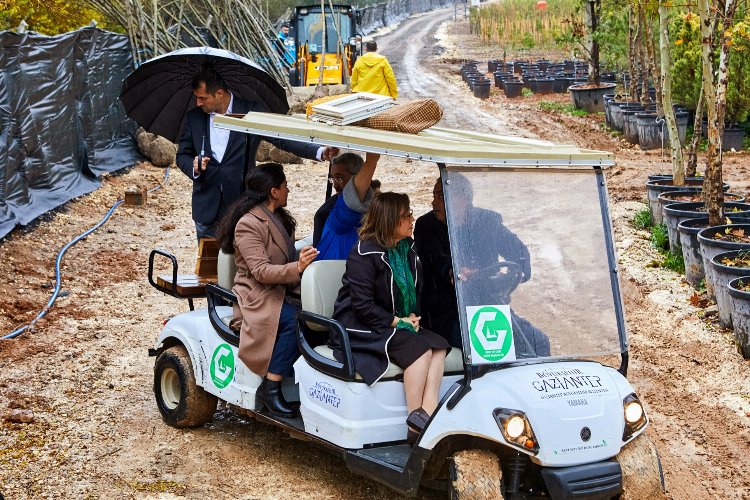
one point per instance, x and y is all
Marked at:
(222, 366)
(325, 393)
(491, 334)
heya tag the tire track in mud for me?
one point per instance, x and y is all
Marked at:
(411, 50)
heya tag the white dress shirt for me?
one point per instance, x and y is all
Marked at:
(219, 136)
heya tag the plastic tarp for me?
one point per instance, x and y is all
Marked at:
(61, 123)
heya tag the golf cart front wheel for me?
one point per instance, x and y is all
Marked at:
(181, 402)
(642, 475)
(475, 474)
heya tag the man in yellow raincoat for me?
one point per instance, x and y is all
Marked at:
(373, 73)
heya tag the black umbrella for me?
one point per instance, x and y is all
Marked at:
(158, 94)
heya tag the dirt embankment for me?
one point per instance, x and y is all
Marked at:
(84, 372)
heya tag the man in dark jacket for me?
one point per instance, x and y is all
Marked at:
(218, 159)
(494, 243)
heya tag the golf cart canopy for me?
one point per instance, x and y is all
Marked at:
(435, 144)
(532, 249)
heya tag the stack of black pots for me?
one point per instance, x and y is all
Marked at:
(541, 77)
(640, 124)
(477, 81)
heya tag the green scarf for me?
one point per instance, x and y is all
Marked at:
(406, 299)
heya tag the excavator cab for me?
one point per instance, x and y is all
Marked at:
(326, 44)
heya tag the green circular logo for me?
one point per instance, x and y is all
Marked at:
(222, 366)
(491, 333)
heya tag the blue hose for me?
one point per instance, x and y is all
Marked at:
(58, 261)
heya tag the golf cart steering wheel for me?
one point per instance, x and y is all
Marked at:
(503, 277)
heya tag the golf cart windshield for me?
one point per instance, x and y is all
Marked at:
(534, 269)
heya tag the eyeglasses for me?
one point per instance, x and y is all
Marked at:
(340, 179)
(408, 215)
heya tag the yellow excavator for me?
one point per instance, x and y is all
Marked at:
(326, 44)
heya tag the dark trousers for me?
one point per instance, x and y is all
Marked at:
(285, 350)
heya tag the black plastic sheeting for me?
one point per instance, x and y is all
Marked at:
(61, 124)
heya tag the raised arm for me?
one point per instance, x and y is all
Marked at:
(363, 178)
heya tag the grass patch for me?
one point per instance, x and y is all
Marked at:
(642, 219)
(660, 238)
(562, 108)
(674, 262)
(526, 92)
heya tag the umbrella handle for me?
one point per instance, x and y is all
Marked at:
(203, 149)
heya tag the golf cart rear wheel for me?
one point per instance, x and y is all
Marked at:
(642, 475)
(181, 402)
(476, 474)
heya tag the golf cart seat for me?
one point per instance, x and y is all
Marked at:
(321, 282)
(225, 273)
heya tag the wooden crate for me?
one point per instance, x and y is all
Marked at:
(208, 257)
(136, 195)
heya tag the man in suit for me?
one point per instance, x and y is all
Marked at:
(217, 159)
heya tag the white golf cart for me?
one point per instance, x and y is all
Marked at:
(529, 407)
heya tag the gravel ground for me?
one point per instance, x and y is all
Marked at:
(84, 375)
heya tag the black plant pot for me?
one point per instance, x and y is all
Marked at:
(711, 247)
(674, 213)
(543, 85)
(482, 89)
(590, 99)
(723, 274)
(732, 138)
(657, 186)
(691, 249)
(740, 304)
(513, 88)
(629, 123)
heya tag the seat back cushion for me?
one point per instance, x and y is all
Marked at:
(225, 270)
(321, 282)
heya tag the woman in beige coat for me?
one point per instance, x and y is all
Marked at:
(260, 233)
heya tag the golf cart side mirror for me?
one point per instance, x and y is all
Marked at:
(343, 371)
(217, 296)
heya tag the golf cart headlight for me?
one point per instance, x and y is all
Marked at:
(303, 12)
(635, 416)
(633, 412)
(516, 429)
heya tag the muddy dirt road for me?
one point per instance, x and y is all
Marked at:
(84, 373)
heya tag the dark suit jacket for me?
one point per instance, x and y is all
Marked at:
(225, 179)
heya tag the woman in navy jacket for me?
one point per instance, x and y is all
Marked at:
(379, 306)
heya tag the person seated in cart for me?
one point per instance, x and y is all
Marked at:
(378, 304)
(351, 177)
(498, 257)
(259, 231)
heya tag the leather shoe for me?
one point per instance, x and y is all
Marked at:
(269, 395)
(417, 420)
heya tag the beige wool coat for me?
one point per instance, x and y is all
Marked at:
(264, 272)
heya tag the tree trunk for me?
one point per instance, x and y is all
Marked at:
(632, 35)
(635, 54)
(713, 195)
(653, 66)
(692, 160)
(645, 70)
(592, 19)
(678, 167)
